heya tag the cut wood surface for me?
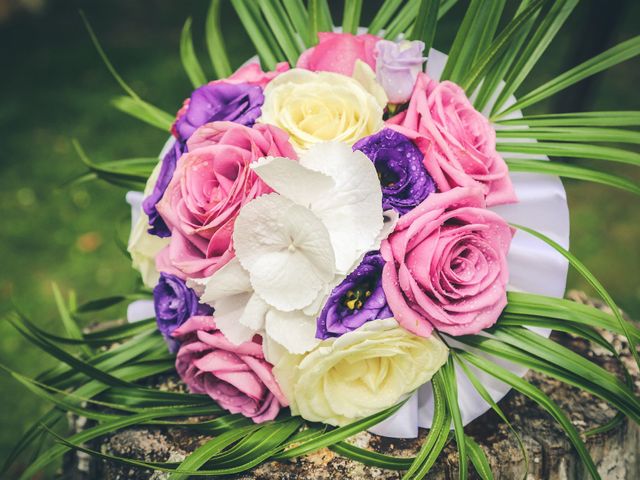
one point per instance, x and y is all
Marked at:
(616, 453)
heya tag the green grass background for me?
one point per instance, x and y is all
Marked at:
(53, 87)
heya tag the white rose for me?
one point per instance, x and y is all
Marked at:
(315, 107)
(360, 373)
(142, 246)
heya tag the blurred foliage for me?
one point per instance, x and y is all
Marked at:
(54, 88)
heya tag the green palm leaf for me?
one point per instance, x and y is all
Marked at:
(215, 41)
(425, 26)
(572, 150)
(438, 434)
(351, 16)
(535, 47)
(593, 281)
(143, 111)
(572, 171)
(620, 53)
(579, 119)
(282, 29)
(573, 134)
(190, 62)
(540, 398)
(451, 395)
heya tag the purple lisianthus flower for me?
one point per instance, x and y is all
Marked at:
(403, 177)
(397, 67)
(219, 101)
(156, 222)
(174, 304)
(357, 300)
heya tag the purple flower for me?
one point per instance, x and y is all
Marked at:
(403, 177)
(397, 67)
(220, 101)
(158, 226)
(358, 299)
(174, 304)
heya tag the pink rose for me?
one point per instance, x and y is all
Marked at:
(338, 52)
(459, 143)
(210, 185)
(446, 265)
(237, 377)
(252, 74)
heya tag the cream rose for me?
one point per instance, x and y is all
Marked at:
(315, 107)
(360, 373)
(142, 246)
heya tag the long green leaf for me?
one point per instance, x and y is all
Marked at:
(620, 53)
(463, 49)
(579, 119)
(616, 396)
(299, 18)
(215, 41)
(189, 59)
(478, 459)
(572, 150)
(482, 391)
(451, 394)
(256, 33)
(573, 134)
(67, 358)
(201, 455)
(401, 22)
(474, 73)
(535, 47)
(438, 434)
(70, 325)
(572, 171)
(425, 26)
(368, 457)
(593, 281)
(151, 111)
(528, 304)
(503, 62)
(319, 19)
(338, 434)
(351, 16)
(143, 111)
(540, 398)
(385, 13)
(552, 352)
(282, 29)
(492, 18)
(102, 429)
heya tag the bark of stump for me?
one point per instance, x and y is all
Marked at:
(616, 453)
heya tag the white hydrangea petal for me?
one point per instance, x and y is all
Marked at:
(231, 279)
(352, 212)
(254, 314)
(228, 314)
(294, 331)
(286, 249)
(292, 180)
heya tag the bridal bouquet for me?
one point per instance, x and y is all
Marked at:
(342, 229)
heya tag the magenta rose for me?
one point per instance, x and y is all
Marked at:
(338, 52)
(237, 377)
(446, 265)
(459, 143)
(210, 185)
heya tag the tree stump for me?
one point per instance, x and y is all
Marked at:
(551, 456)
